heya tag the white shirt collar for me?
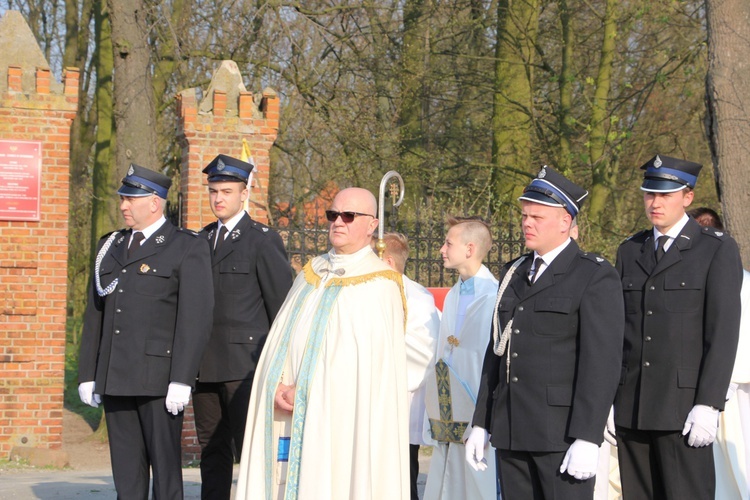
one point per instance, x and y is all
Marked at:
(231, 223)
(673, 233)
(552, 254)
(150, 230)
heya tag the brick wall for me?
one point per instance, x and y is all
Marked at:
(203, 135)
(33, 259)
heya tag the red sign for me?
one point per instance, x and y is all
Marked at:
(20, 180)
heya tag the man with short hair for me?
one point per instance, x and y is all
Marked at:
(551, 368)
(422, 330)
(681, 284)
(453, 382)
(251, 276)
(146, 324)
(328, 412)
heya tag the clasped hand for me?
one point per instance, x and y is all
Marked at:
(284, 399)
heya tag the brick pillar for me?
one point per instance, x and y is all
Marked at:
(217, 125)
(33, 264)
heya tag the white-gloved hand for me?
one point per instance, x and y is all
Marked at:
(702, 423)
(178, 396)
(476, 445)
(609, 429)
(731, 390)
(581, 460)
(86, 393)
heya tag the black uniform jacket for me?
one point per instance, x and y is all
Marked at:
(252, 276)
(681, 326)
(152, 329)
(565, 347)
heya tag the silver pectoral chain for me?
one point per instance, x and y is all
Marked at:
(97, 264)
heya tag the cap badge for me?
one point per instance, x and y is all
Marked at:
(131, 170)
(220, 165)
(160, 238)
(235, 234)
(144, 268)
(657, 162)
(542, 173)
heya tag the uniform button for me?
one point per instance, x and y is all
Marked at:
(514, 355)
(649, 313)
(119, 310)
(514, 379)
(250, 338)
(648, 339)
(516, 331)
(682, 284)
(646, 364)
(120, 290)
(234, 268)
(520, 308)
(630, 285)
(169, 352)
(652, 287)
(117, 332)
(124, 270)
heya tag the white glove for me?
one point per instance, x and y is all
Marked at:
(732, 389)
(581, 460)
(609, 429)
(178, 396)
(86, 393)
(476, 444)
(702, 423)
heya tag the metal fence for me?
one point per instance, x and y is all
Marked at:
(426, 233)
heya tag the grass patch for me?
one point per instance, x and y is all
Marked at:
(71, 400)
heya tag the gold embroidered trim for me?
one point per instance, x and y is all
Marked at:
(313, 279)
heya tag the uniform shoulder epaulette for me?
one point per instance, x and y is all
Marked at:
(187, 231)
(262, 228)
(712, 231)
(595, 257)
(210, 227)
(105, 236)
(637, 235)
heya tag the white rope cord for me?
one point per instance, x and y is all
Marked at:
(97, 264)
(501, 342)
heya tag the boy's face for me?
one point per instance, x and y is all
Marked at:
(454, 251)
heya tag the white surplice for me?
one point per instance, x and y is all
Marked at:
(422, 330)
(733, 438)
(450, 477)
(339, 338)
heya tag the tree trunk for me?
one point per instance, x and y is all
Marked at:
(728, 116)
(602, 166)
(565, 118)
(104, 208)
(513, 107)
(134, 110)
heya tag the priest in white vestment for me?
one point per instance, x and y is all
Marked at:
(328, 412)
(453, 384)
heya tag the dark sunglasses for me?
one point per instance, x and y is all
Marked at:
(346, 217)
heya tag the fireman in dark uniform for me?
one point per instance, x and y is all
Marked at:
(551, 368)
(251, 275)
(681, 284)
(147, 322)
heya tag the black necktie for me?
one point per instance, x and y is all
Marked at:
(220, 238)
(663, 239)
(533, 273)
(135, 243)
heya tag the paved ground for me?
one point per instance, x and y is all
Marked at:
(70, 484)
